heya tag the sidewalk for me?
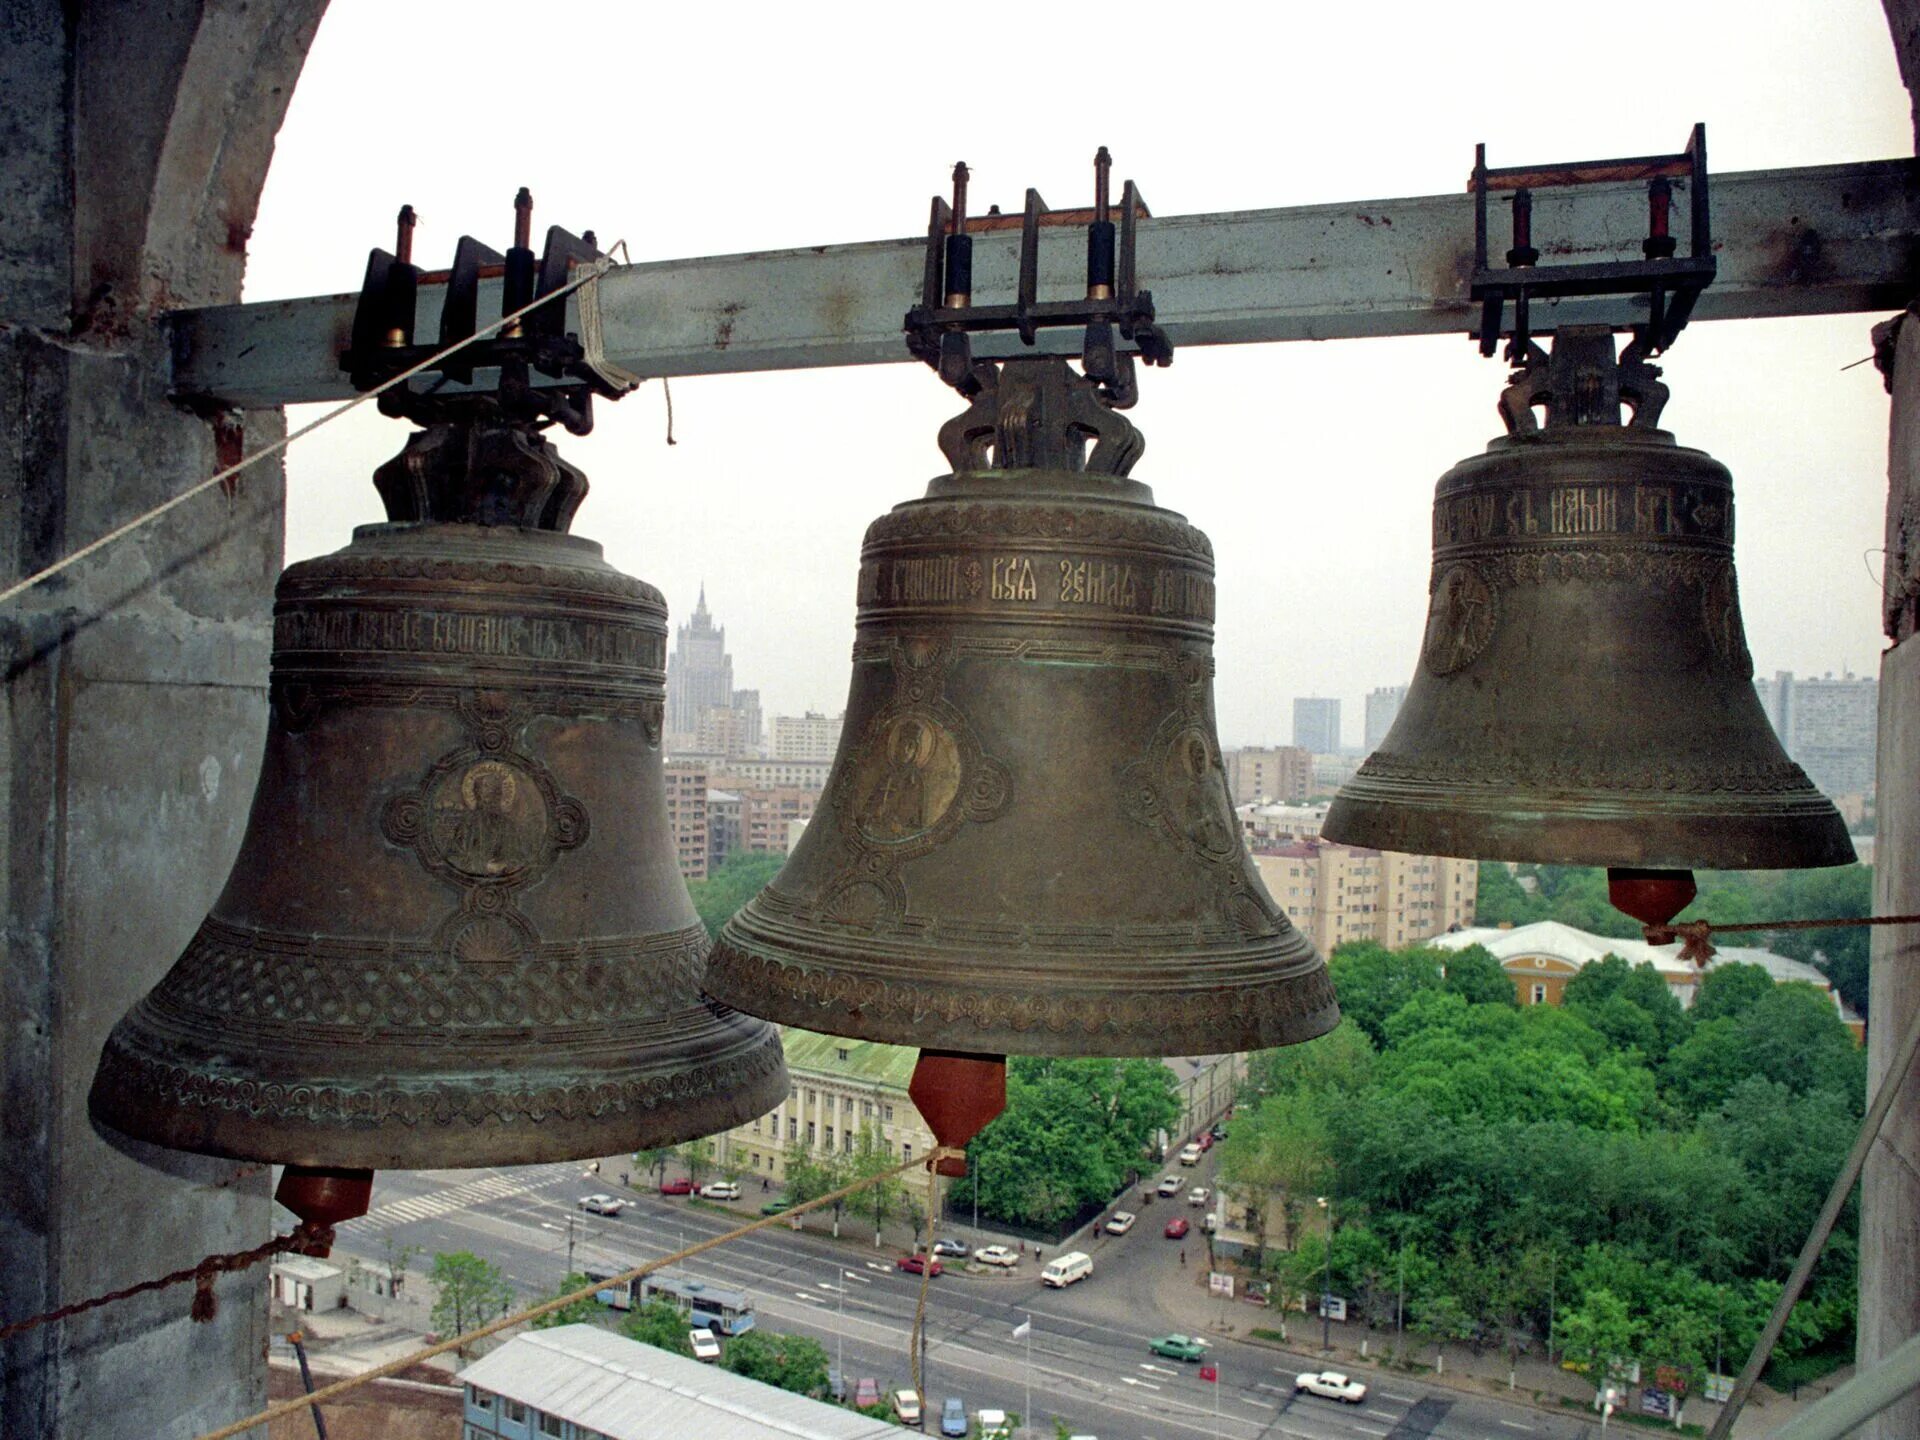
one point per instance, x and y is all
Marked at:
(1183, 1296)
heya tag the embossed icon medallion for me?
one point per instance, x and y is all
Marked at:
(1720, 610)
(487, 821)
(1198, 800)
(907, 778)
(1460, 622)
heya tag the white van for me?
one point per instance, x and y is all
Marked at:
(1072, 1266)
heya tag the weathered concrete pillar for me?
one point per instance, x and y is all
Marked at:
(1890, 1185)
(133, 142)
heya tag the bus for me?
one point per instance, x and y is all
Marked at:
(730, 1312)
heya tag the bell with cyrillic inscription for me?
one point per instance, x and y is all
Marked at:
(1585, 695)
(456, 933)
(1027, 844)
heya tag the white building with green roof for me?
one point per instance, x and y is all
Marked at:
(840, 1087)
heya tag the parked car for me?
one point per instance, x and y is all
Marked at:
(720, 1190)
(1178, 1347)
(1219, 1132)
(953, 1419)
(1121, 1222)
(836, 1385)
(1206, 1141)
(602, 1204)
(997, 1255)
(994, 1425)
(866, 1392)
(1210, 1222)
(906, 1404)
(956, 1248)
(1199, 1195)
(1190, 1154)
(914, 1264)
(776, 1207)
(1172, 1185)
(1331, 1385)
(676, 1187)
(1177, 1228)
(705, 1347)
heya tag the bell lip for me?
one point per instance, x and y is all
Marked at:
(737, 1043)
(1595, 828)
(811, 984)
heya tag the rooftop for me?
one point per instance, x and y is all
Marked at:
(629, 1391)
(867, 1062)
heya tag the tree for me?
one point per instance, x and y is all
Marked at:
(1374, 982)
(469, 1291)
(809, 1177)
(1278, 1156)
(873, 1156)
(1337, 1063)
(396, 1258)
(791, 1362)
(1791, 1035)
(1438, 1317)
(1629, 1004)
(1599, 1336)
(697, 1156)
(744, 875)
(577, 1312)
(1476, 977)
(661, 1324)
(1500, 899)
(655, 1160)
(1730, 990)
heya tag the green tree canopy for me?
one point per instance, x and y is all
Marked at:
(1374, 982)
(744, 875)
(1277, 1158)
(469, 1291)
(1337, 1063)
(1476, 977)
(1791, 1035)
(1729, 990)
(661, 1324)
(579, 1312)
(790, 1362)
(1629, 1004)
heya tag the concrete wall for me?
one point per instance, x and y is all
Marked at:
(133, 142)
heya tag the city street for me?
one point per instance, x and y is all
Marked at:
(1090, 1363)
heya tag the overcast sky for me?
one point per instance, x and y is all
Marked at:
(694, 130)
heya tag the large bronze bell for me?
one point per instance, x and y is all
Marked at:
(1027, 844)
(456, 934)
(1585, 695)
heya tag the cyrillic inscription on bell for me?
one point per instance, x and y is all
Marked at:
(1585, 695)
(456, 933)
(1027, 843)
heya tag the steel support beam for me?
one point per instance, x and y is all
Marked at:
(1820, 240)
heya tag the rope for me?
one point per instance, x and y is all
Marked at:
(588, 274)
(302, 1238)
(547, 1307)
(1697, 935)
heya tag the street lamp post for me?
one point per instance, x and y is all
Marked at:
(1326, 1284)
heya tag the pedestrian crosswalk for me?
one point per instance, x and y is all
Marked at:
(497, 1186)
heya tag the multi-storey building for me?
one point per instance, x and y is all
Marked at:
(811, 736)
(1829, 725)
(1259, 774)
(723, 826)
(840, 1088)
(1336, 893)
(687, 815)
(726, 731)
(766, 774)
(1383, 705)
(1316, 725)
(699, 676)
(1266, 825)
(766, 814)
(1330, 772)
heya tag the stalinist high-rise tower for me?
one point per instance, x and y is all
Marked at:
(699, 676)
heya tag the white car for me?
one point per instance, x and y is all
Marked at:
(994, 1425)
(1199, 1195)
(1121, 1222)
(705, 1347)
(1171, 1185)
(1331, 1385)
(1190, 1155)
(997, 1255)
(720, 1190)
(602, 1204)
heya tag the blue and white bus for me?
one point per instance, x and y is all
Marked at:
(730, 1312)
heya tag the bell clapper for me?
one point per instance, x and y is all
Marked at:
(1653, 897)
(324, 1195)
(957, 1094)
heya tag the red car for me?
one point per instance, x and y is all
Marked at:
(1206, 1142)
(676, 1187)
(1177, 1228)
(914, 1264)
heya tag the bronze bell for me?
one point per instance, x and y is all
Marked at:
(1026, 843)
(456, 933)
(1585, 695)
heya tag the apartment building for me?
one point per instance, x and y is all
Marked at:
(687, 815)
(1336, 893)
(1261, 774)
(811, 736)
